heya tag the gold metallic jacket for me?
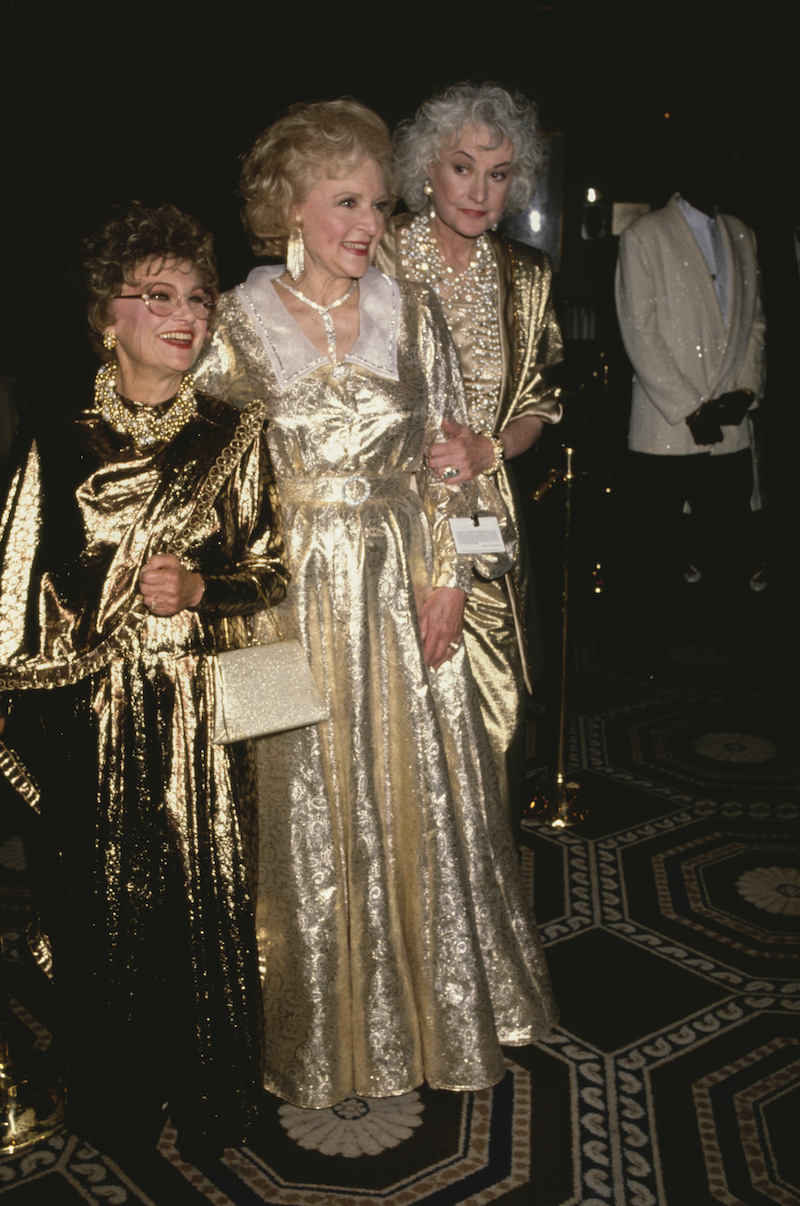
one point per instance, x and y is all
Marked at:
(157, 837)
(495, 616)
(531, 347)
(86, 510)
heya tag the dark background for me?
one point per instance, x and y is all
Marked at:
(159, 101)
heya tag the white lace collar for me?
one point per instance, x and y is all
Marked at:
(293, 356)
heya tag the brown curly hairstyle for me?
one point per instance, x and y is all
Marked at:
(327, 138)
(130, 236)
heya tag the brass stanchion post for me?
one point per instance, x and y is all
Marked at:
(556, 799)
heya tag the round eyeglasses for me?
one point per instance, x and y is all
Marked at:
(163, 300)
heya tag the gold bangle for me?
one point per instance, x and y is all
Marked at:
(499, 454)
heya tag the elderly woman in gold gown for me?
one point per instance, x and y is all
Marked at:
(471, 154)
(398, 942)
(138, 534)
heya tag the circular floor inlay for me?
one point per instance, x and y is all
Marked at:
(774, 889)
(357, 1126)
(734, 747)
(351, 1109)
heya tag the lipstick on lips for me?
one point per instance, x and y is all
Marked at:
(178, 339)
(357, 248)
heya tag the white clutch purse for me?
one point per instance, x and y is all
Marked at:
(263, 689)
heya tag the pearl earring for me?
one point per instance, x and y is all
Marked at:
(428, 191)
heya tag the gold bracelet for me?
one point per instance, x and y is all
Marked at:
(499, 454)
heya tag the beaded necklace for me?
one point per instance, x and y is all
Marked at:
(145, 424)
(474, 289)
(324, 312)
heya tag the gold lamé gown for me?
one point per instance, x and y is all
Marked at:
(144, 847)
(397, 941)
(496, 614)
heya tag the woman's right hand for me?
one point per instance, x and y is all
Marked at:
(441, 620)
(464, 451)
(168, 587)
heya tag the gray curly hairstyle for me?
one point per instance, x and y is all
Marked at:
(439, 122)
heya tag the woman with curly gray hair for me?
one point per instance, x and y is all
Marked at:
(471, 154)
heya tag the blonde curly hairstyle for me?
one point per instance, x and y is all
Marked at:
(310, 141)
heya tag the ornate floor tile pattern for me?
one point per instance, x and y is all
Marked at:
(488, 1153)
(671, 919)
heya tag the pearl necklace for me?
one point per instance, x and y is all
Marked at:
(325, 311)
(476, 289)
(143, 423)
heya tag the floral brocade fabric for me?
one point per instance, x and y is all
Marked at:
(396, 939)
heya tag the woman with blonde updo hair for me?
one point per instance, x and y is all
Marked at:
(471, 154)
(397, 941)
(283, 160)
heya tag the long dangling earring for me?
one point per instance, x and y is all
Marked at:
(428, 191)
(295, 254)
(109, 340)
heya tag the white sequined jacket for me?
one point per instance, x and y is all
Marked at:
(682, 352)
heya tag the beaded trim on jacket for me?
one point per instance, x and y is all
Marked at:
(475, 289)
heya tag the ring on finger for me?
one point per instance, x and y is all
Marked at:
(455, 646)
(450, 471)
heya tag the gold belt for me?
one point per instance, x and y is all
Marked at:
(352, 490)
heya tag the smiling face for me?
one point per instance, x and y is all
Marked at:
(470, 181)
(152, 352)
(342, 219)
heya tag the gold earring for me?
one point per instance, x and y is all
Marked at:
(109, 340)
(295, 254)
(427, 189)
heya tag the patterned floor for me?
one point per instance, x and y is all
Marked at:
(671, 917)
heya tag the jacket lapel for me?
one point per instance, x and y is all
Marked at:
(689, 248)
(509, 335)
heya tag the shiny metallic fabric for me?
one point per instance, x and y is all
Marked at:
(531, 344)
(264, 689)
(147, 829)
(396, 938)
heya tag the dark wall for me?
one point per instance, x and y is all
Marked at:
(148, 102)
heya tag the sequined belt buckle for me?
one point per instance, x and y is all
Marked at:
(356, 489)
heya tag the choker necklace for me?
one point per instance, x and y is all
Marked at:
(143, 423)
(322, 310)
